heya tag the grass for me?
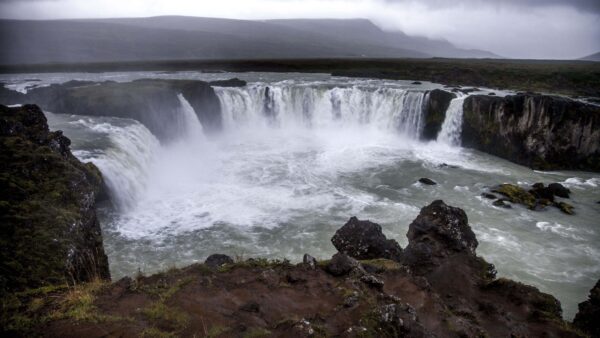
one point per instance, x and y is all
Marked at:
(262, 263)
(159, 313)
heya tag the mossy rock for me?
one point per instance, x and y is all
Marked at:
(516, 194)
(565, 207)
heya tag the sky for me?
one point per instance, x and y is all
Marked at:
(543, 29)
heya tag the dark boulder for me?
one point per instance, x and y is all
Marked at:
(49, 234)
(435, 108)
(427, 181)
(488, 196)
(341, 264)
(559, 190)
(501, 203)
(365, 240)
(309, 261)
(438, 232)
(217, 260)
(588, 317)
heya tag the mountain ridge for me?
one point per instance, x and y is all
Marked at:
(184, 37)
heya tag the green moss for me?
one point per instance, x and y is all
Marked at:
(516, 194)
(382, 264)
(261, 263)
(565, 207)
(161, 314)
(153, 332)
(216, 331)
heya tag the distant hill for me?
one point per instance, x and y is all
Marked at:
(593, 57)
(180, 37)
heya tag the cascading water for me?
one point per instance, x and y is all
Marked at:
(452, 126)
(316, 106)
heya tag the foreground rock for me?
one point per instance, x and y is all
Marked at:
(439, 289)
(588, 317)
(365, 240)
(154, 103)
(540, 131)
(49, 231)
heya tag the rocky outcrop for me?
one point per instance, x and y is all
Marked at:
(437, 103)
(587, 319)
(438, 232)
(152, 102)
(235, 82)
(537, 198)
(49, 231)
(453, 294)
(539, 131)
(365, 240)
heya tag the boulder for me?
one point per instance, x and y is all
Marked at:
(309, 261)
(516, 194)
(438, 232)
(559, 190)
(365, 240)
(587, 318)
(488, 196)
(217, 260)
(565, 207)
(341, 264)
(427, 181)
(50, 233)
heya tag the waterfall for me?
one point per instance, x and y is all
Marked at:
(125, 161)
(314, 106)
(452, 126)
(190, 125)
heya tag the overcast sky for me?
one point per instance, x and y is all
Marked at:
(514, 28)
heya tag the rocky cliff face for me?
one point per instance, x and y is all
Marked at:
(539, 131)
(49, 233)
(435, 108)
(152, 102)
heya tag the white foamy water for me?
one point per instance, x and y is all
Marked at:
(294, 163)
(452, 126)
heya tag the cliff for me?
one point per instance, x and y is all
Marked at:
(49, 233)
(436, 287)
(152, 102)
(540, 131)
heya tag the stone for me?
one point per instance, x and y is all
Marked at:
(501, 203)
(309, 261)
(365, 240)
(516, 194)
(565, 207)
(427, 181)
(372, 281)
(435, 113)
(217, 260)
(489, 196)
(341, 264)
(559, 190)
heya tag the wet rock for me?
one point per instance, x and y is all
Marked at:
(492, 94)
(372, 281)
(565, 207)
(439, 231)
(416, 83)
(489, 196)
(559, 190)
(427, 181)
(435, 113)
(309, 261)
(501, 203)
(540, 131)
(446, 165)
(235, 82)
(341, 264)
(365, 240)
(516, 194)
(395, 320)
(217, 260)
(540, 191)
(587, 318)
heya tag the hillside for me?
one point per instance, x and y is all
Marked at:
(181, 38)
(593, 57)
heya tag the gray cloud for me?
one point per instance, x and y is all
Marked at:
(583, 5)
